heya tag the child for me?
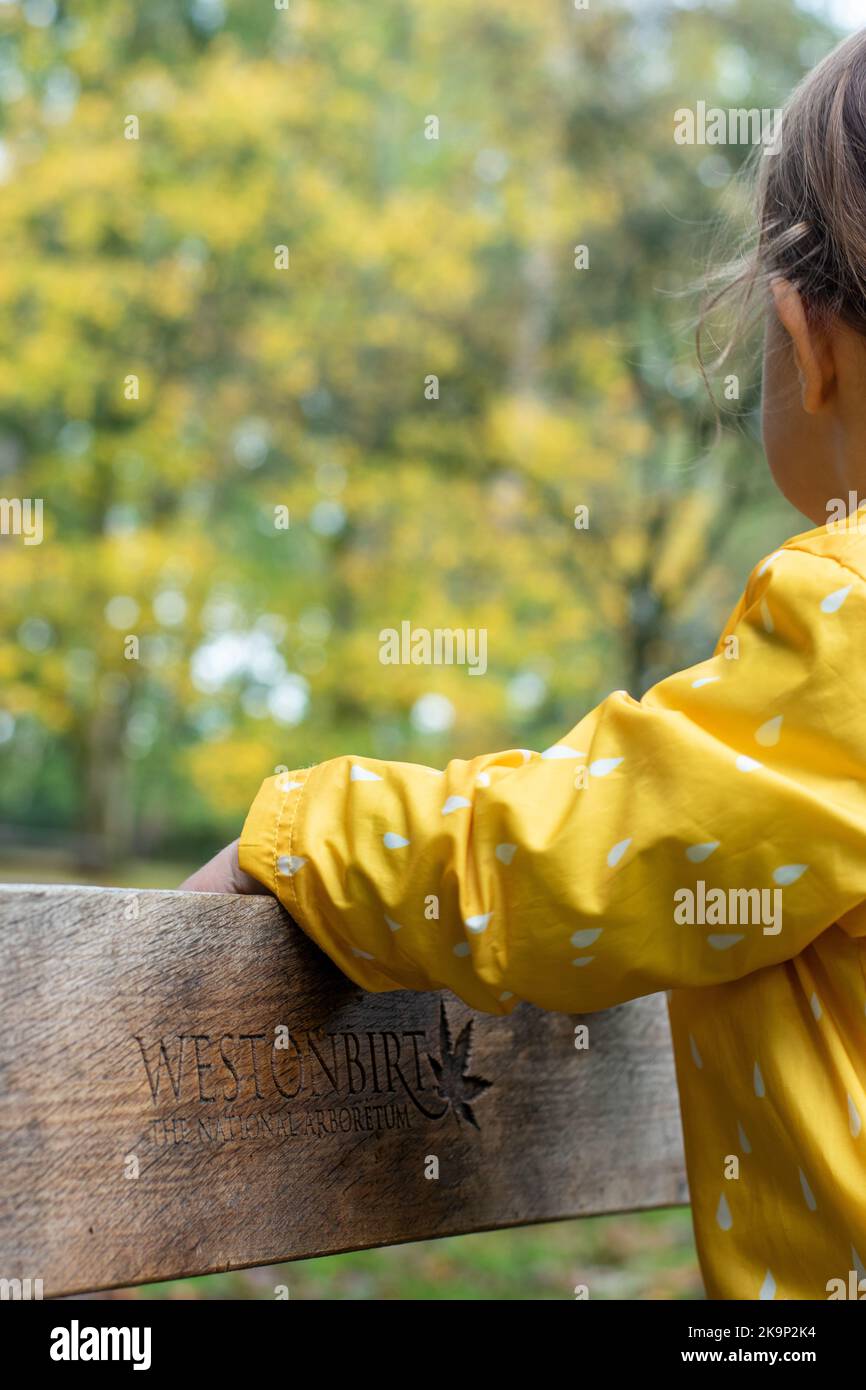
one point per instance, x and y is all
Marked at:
(747, 772)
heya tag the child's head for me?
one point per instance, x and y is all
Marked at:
(811, 262)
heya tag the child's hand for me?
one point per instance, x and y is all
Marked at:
(223, 874)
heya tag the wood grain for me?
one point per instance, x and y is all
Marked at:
(288, 1114)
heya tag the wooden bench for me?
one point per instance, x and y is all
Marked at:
(188, 1085)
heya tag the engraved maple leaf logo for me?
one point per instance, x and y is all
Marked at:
(457, 1087)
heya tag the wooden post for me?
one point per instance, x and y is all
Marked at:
(189, 1085)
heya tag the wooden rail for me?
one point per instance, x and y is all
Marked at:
(188, 1085)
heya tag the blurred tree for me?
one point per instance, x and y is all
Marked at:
(238, 315)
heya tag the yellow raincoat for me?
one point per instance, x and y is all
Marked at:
(583, 876)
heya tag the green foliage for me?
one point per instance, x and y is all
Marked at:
(259, 388)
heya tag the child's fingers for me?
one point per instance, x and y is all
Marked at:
(222, 874)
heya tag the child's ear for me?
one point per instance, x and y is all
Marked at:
(812, 353)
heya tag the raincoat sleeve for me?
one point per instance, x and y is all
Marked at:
(714, 827)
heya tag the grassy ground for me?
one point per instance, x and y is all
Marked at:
(32, 867)
(645, 1256)
(649, 1255)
